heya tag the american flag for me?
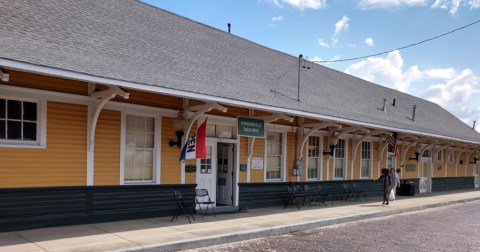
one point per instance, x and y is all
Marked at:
(392, 140)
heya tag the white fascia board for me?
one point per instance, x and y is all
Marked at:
(188, 94)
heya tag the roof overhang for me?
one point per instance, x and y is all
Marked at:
(45, 70)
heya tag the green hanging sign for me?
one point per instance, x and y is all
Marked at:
(250, 127)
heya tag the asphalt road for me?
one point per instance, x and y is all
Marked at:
(450, 228)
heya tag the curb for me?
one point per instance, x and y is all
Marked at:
(279, 230)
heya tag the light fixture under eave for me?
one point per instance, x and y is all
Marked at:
(416, 156)
(475, 159)
(333, 141)
(5, 77)
(179, 124)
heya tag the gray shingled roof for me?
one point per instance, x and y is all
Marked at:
(134, 42)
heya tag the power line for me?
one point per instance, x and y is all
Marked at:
(400, 48)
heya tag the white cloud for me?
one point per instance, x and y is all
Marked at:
(306, 4)
(474, 4)
(371, 4)
(340, 26)
(386, 71)
(453, 5)
(369, 42)
(316, 59)
(274, 2)
(277, 19)
(299, 4)
(457, 95)
(440, 73)
(323, 43)
(456, 92)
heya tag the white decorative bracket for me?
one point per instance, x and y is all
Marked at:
(405, 150)
(442, 147)
(267, 119)
(99, 100)
(313, 127)
(200, 110)
(357, 141)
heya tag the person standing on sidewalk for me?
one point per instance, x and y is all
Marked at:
(395, 183)
(387, 185)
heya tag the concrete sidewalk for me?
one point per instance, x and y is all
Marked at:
(159, 234)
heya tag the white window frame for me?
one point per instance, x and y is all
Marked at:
(370, 158)
(319, 159)
(41, 140)
(427, 153)
(440, 156)
(391, 161)
(283, 158)
(451, 157)
(344, 158)
(156, 149)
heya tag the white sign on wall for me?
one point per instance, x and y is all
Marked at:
(257, 163)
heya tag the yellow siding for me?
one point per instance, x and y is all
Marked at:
(107, 148)
(410, 174)
(375, 160)
(242, 178)
(62, 163)
(170, 173)
(327, 163)
(291, 156)
(258, 151)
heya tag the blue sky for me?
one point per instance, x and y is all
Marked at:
(445, 70)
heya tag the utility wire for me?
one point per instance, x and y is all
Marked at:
(400, 48)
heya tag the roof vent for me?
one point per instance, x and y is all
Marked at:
(473, 127)
(384, 108)
(229, 26)
(413, 115)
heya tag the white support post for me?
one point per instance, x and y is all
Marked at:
(199, 111)
(99, 99)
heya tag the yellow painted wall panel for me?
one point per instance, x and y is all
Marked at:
(375, 160)
(62, 163)
(170, 166)
(291, 156)
(410, 174)
(258, 151)
(243, 158)
(107, 148)
(327, 161)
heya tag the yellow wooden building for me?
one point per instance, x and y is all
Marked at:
(98, 97)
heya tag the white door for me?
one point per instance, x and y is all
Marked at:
(207, 170)
(224, 173)
(425, 176)
(475, 175)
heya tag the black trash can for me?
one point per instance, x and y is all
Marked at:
(407, 188)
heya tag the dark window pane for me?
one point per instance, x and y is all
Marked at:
(14, 130)
(2, 129)
(29, 131)
(14, 109)
(2, 108)
(29, 111)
